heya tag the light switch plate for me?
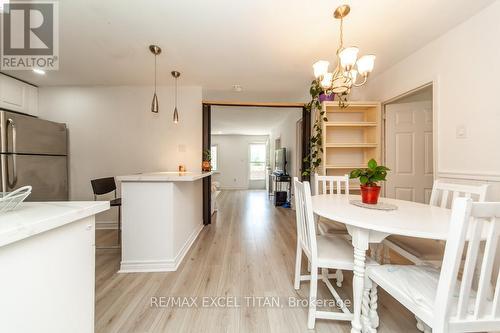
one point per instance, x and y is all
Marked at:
(461, 132)
(182, 148)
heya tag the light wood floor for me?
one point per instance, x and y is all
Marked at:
(248, 250)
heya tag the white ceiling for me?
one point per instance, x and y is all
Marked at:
(265, 46)
(248, 120)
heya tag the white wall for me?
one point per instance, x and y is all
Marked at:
(113, 132)
(233, 159)
(463, 66)
(286, 131)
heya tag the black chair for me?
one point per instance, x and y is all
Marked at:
(103, 186)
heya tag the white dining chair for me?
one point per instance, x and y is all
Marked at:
(443, 303)
(322, 251)
(443, 194)
(333, 185)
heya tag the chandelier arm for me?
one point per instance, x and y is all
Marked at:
(362, 83)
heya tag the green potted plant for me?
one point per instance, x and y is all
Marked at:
(369, 178)
(207, 158)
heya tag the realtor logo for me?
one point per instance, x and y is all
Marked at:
(30, 35)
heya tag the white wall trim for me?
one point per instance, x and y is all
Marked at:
(470, 175)
(161, 265)
(187, 245)
(233, 188)
(147, 266)
(106, 225)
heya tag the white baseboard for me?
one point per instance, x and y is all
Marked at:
(147, 266)
(161, 265)
(187, 245)
(105, 225)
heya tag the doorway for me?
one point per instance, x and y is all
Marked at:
(257, 162)
(207, 141)
(408, 146)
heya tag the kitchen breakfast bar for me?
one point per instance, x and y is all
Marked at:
(161, 218)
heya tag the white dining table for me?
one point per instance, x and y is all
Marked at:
(372, 226)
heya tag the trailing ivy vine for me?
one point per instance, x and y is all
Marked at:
(314, 159)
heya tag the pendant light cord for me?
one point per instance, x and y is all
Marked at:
(176, 92)
(341, 44)
(155, 73)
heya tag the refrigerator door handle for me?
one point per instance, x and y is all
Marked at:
(12, 124)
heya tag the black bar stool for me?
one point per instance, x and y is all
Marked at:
(103, 186)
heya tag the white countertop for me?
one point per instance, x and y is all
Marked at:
(32, 218)
(168, 176)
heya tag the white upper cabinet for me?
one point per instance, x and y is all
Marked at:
(18, 96)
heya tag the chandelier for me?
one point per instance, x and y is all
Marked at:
(349, 68)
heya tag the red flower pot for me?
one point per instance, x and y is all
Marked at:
(370, 194)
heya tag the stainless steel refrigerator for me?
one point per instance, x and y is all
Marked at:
(33, 152)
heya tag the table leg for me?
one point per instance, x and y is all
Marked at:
(366, 309)
(360, 238)
(373, 305)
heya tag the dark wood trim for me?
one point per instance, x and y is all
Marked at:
(207, 181)
(306, 137)
(15, 78)
(260, 105)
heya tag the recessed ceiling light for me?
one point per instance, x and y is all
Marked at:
(237, 87)
(39, 71)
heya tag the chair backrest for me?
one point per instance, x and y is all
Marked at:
(306, 230)
(476, 309)
(443, 193)
(103, 185)
(331, 184)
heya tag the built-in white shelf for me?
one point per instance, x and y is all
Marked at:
(343, 167)
(351, 124)
(351, 136)
(351, 145)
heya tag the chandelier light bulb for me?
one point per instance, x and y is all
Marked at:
(320, 68)
(326, 81)
(365, 64)
(354, 75)
(348, 57)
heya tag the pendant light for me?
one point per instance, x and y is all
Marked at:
(156, 50)
(176, 75)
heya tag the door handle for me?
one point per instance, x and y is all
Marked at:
(12, 124)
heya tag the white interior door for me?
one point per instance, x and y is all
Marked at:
(409, 153)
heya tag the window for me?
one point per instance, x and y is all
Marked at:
(257, 161)
(214, 156)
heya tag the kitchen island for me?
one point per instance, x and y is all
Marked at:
(47, 267)
(162, 215)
